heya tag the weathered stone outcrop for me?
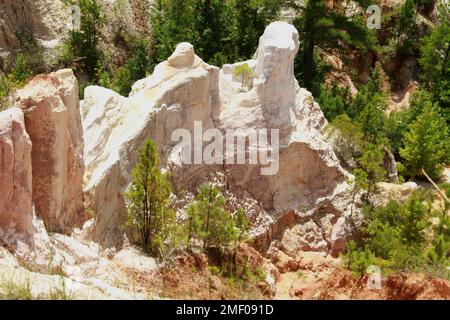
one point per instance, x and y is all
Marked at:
(309, 181)
(15, 176)
(52, 119)
(179, 92)
(310, 184)
(48, 24)
(45, 21)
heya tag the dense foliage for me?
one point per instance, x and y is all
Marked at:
(410, 236)
(208, 224)
(148, 200)
(20, 72)
(221, 32)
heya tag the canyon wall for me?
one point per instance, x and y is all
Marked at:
(82, 154)
(50, 104)
(15, 177)
(310, 181)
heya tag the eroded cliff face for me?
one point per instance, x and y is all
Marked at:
(24, 21)
(45, 25)
(15, 177)
(309, 183)
(116, 127)
(52, 119)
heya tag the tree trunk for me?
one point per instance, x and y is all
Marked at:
(309, 61)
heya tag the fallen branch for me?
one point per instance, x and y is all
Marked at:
(443, 195)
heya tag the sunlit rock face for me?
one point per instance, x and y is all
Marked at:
(306, 178)
(52, 119)
(180, 91)
(15, 177)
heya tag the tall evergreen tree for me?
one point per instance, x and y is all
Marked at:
(435, 60)
(252, 18)
(211, 223)
(83, 43)
(371, 164)
(148, 199)
(172, 22)
(215, 27)
(426, 144)
(326, 25)
(369, 106)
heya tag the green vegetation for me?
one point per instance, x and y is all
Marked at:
(329, 29)
(245, 72)
(135, 68)
(148, 202)
(398, 236)
(402, 237)
(10, 290)
(21, 290)
(426, 144)
(208, 225)
(435, 60)
(221, 31)
(348, 139)
(211, 224)
(60, 293)
(82, 49)
(19, 74)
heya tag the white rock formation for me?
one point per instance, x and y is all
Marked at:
(309, 183)
(115, 128)
(393, 191)
(132, 259)
(52, 119)
(15, 177)
(62, 267)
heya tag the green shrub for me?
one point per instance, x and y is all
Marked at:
(135, 68)
(426, 144)
(399, 236)
(148, 202)
(82, 49)
(11, 290)
(16, 78)
(357, 260)
(210, 227)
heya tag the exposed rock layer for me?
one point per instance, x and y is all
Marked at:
(184, 89)
(52, 119)
(15, 175)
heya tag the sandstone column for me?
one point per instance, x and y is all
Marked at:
(52, 118)
(15, 175)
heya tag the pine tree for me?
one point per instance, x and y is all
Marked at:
(426, 144)
(172, 22)
(357, 260)
(328, 27)
(369, 106)
(209, 222)
(371, 164)
(148, 199)
(210, 205)
(215, 28)
(135, 68)
(83, 44)
(333, 101)
(348, 141)
(435, 60)
(252, 17)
